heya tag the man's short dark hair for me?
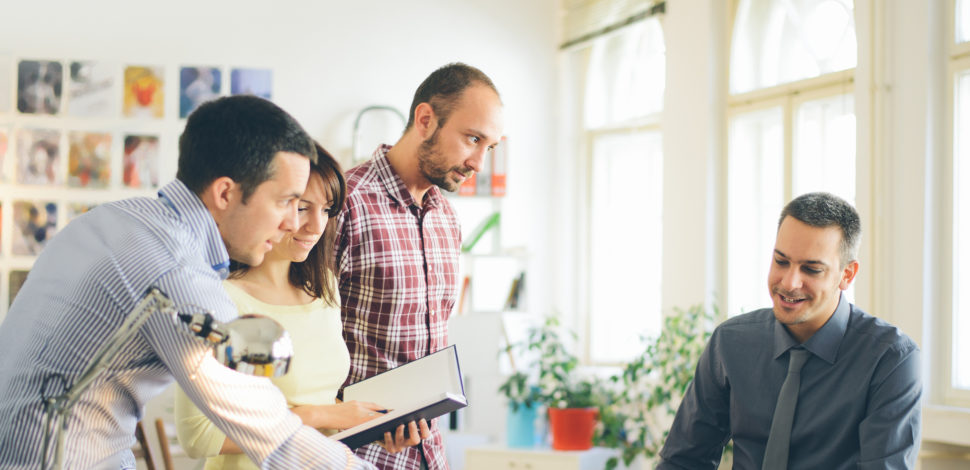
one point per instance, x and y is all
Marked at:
(828, 210)
(238, 136)
(444, 87)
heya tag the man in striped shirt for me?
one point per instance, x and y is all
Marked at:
(243, 164)
(399, 239)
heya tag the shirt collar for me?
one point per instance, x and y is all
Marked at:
(197, 217)
(395, 186)
(825, 342)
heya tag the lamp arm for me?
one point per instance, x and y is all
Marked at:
(58, 408)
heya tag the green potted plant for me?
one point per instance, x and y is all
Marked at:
(649, 389)
(572, 402)
(524, 401)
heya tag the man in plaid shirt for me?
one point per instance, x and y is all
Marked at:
(399, 239)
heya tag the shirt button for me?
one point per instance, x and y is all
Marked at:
(432, 312)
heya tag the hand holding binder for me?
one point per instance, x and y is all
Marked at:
(421, 389)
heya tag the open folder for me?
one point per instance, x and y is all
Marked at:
(424, 388)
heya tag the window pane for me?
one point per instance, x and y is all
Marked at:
(961, 236)
(823, 149)
(625, 236)
(755, 192)
(962, 21)
(778, 42)
(626, 75)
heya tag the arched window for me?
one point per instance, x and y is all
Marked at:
(791, 126)
(622, 84)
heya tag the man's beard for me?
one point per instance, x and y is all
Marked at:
(429, 163)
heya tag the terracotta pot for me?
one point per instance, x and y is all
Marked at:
(572, 428)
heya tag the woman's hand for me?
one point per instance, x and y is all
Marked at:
(339, 416)
(398, 442)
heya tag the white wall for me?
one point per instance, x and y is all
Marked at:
(330, 59)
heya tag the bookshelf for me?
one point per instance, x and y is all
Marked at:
(488, 270)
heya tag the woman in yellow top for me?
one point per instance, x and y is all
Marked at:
(295, 286)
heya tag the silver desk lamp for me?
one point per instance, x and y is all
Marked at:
(251, 344)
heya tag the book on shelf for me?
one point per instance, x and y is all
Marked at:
(515, 292)
(465, 285)
(483, 180)
(468, 186)
(421, 389)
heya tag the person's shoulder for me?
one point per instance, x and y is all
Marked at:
(361, 179)
(755, 319)
(745, 330)
(878, 332)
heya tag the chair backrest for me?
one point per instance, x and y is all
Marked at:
(163, 444)
(146, 450)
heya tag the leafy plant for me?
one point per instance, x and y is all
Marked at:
(649, 389)
(554, 381)
(519, 391)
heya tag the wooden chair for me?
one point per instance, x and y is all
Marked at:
(163, 444)
(146, 450)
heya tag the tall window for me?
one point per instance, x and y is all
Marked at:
(958, 390)
(623, 97)
(791, 126)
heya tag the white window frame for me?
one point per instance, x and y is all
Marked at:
(585, 138)
(958, 60)
(649, 123)
(788, 96)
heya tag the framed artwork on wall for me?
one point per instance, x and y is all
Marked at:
(196, 86)
(39, 84)
(35, 222)
(92, 89)
(39, 156)
(88, 159)
(256, 82)
(140, 162)
(79, 132)
(144, 95)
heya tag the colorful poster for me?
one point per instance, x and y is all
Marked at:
(196, 86)
(34, 224)
(257, 82)
(144, 92)
(141, 161)
(39, 87)
(6, 84)
(17, 279)
(88, 160)
(39, 156)
(92, 89)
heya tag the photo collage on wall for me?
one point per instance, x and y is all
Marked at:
(76, 133)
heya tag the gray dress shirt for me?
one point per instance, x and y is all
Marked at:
(87, 279)
(858, 405)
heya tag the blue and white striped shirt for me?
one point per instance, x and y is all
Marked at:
(84, 283)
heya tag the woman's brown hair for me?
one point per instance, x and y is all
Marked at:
(316, 275)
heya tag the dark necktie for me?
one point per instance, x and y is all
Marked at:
(776, 452)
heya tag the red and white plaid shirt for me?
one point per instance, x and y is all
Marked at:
(398, 269)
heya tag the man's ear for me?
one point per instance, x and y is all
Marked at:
(848, 274)
(425, 120)
(219, 194)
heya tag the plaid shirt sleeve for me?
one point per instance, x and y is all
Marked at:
(398, 270)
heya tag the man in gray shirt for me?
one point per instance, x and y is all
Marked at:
(855, 402)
